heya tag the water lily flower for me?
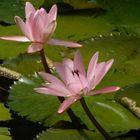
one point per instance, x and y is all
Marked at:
(75, 83)
(38, 29)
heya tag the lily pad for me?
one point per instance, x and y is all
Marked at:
(37, 107)
(9, 9)
(4, 113)
(9, 48)
(81, 4)
(43, 108)
(125, 52)
(72, 134)
(78, 27)
(130, 98)
(123, 14)
(24, 63)
(69, 134)
(112, 116)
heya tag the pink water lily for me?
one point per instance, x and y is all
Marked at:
(38, 29)
(75, 83)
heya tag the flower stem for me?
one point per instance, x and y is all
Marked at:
(72, 116)
(44, 62)
(94, 121)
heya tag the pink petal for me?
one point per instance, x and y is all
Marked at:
(60, 89)
(51, 78)
(84, 82)
(29, 25)
(15, 38)
(69, 77)
(22, 26)
(68, 63)
(78, 63)
(53, 13)
(35, 27)
(104, 90)
(48, 31)
(75, 86)
(29, 9)
(60, 70)
(35, 47)
(73, 81)
(63, 43)
(43, 19)
(103, 71)
(48, 91)
(92, 67)
(97, 72)
(68, 102)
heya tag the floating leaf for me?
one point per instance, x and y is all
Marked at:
(73, 134)
(4, 113)
(9, 48)
(37, 107)
(4, 134)
(124, 14)
(69, 134)
(24, 63)
(79, 27)
(125, 52)
(81, 4)
(9, 9)
(130, 98)
(111, 115)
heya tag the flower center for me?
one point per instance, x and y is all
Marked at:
(75, 72)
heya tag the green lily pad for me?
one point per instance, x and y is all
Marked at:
(125, 52)
(123, 14)
(72, 134)
(130, 98)
(81, 4)
(79, 27)
(69, 134)
(4, 113)
(4, 134)
(10, 48)
(112, 116)
(24, 63)
(9, 9)
(43, 108)
(37, 107)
